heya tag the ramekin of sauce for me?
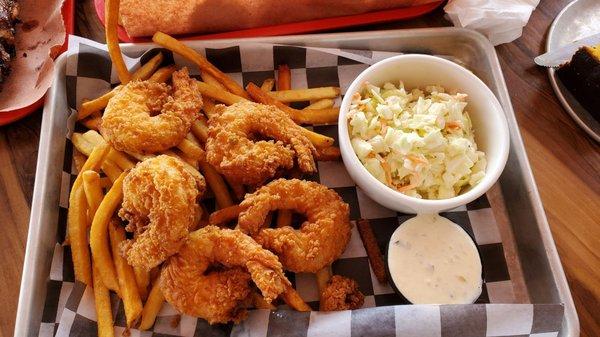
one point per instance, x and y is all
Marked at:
(432, 260)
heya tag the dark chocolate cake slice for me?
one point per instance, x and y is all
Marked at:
(9, 9)
(581, 76)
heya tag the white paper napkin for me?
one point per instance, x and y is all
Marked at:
(501, 21)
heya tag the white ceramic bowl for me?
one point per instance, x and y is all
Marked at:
(489, 125)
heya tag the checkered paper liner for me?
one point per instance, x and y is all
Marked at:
(69, 308)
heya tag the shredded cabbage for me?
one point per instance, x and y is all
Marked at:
(419, 142)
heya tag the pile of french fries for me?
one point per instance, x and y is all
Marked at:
(95, 233)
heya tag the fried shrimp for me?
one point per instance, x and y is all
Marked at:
(320, 240)
(150, 117)
(220, 296)
(234, 150)
(159, 202)
(341, 293)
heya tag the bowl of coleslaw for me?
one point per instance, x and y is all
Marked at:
(421, 134)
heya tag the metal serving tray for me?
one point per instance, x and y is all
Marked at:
(542, 272)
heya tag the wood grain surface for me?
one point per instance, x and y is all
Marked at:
(565, 162)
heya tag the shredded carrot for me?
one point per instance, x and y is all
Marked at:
(384, 127)
(454, 125)
(416, 159)
(388, 171)
(410, 185)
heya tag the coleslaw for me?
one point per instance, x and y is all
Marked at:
(419, 142)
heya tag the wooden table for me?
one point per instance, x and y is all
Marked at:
(566, 165)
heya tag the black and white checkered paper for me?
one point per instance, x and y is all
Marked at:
(69, 308)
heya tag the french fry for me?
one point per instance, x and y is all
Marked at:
(209, 107)
(330, 153)
(93, 121)
(105, 183)
(372, 248)
(190, 54)
(79, 159)
(190, 161)
(323, 276)
(152, 306)
(284, 218)
(77, 228)
(318, 140)
(190, 136)
(324, 103)
(267, 84)
(218, 94)
(93, 163)
(284, 78)
(259, 302)
(93, 191)
(140, 157)
(238, 189)
(142, 279)
(108, 167)
(117, 157)
(313, 116)
(99, 240)
(120, 159)
(163, 74)
(112, 40)
(319, 116)
(191, 150)
(93, 137)
(103, 309)
(130, 295)
(147, 69)
(97, 104)
(209, 79)
(224, 215)
(81, 144)
(293, 299)
(111, 170)
(200, 129)
(217, 185)
(198, 218)
(301, 95)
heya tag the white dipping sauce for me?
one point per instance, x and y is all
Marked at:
(432, 260)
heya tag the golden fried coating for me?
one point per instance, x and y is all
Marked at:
(149, 117)
(320, 240)
(220, 296)
(341, 293)
(233, 150)
(159, 202)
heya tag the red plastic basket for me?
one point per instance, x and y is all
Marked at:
(297, 27)
(68, 13)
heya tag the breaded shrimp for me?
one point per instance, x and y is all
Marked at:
(320, 240)
(220, 296)
(159, 202)
(233, 150)
(149, 117)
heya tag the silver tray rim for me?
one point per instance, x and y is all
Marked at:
(28, 315)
